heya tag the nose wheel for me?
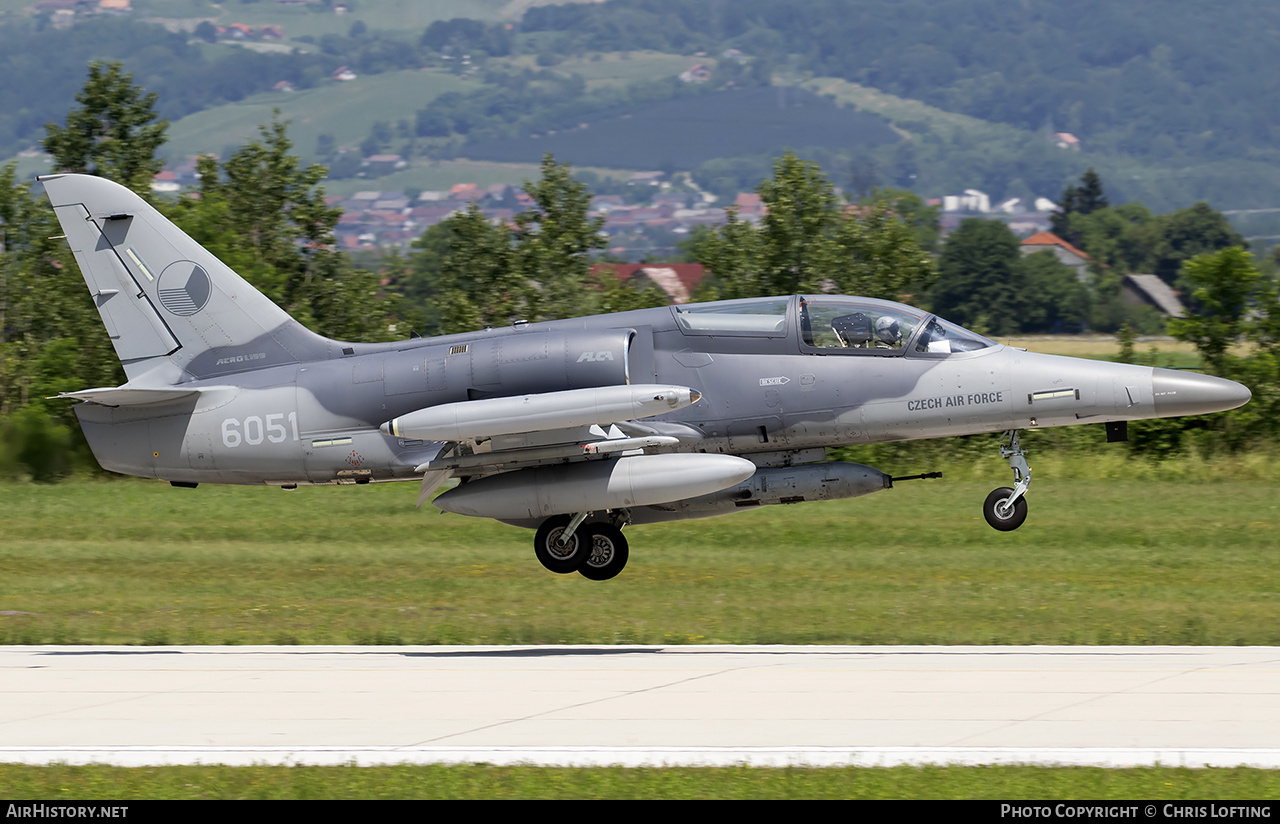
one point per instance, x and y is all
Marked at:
(1005, 509)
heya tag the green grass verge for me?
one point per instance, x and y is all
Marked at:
(490, 782)
(1115, 552)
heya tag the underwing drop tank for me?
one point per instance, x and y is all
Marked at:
(625, 483)
(770, 486)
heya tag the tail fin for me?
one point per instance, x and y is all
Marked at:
(165, 300)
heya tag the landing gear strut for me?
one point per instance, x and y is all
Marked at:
(1005, 508)
(597, 550)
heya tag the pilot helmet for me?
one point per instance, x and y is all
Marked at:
(887, 329)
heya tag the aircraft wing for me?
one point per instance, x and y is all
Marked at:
(501, 434)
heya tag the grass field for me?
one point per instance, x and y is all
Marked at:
(1114, 553)
(604, 69)
(899, 110)
(1165, 352)
(723, 123)
(344, 110)
(408, 16)
(490, 782)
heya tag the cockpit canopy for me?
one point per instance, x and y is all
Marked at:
(833, 323)
(838, 322)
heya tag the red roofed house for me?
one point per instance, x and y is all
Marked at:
(1065, 252)
(750, 206)
(165, 181)
(678, 280)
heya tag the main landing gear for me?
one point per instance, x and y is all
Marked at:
(597, 550)
(1005, 508)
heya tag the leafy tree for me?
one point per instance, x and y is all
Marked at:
(1084, 199)
(554, 240)
(477, 285)
(1189, 232)
(264, 215)
(809, 241)
(431, 123)
(985, 282)
(979, 281)
(1226, 286)
(1236, 303)
(925, 221)
(1053, 299)
(538, 267)
(53, 337)
(1089, 196)
(1118, 237)
(113, 134)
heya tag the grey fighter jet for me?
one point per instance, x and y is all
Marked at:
(575, 428)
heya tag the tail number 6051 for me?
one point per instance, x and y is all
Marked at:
(254, 429)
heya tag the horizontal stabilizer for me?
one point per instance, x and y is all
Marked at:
(125, 396)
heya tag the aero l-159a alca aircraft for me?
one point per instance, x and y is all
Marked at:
(576, 428)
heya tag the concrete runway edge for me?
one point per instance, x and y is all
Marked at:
(642, 705)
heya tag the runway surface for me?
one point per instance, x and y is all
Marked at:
(1107, 706)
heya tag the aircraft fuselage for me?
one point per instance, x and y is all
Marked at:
(319, 422)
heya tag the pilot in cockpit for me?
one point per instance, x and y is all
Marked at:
(858, 331)
(888, 334)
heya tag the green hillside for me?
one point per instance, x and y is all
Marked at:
(684, 133)
(343, 110)
(1170, 108)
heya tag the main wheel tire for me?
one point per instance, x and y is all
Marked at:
(607, 554)
(562, 560)
(1000, 518)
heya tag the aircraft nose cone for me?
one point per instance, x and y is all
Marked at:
(1189, 393)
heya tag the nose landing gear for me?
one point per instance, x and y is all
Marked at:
(1005, 509)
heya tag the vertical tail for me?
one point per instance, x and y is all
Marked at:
(165, 300)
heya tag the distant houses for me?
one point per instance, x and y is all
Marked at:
(1150, 290)
(1067, 254)
(377, 219)
(63, 12)
(677, 280)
